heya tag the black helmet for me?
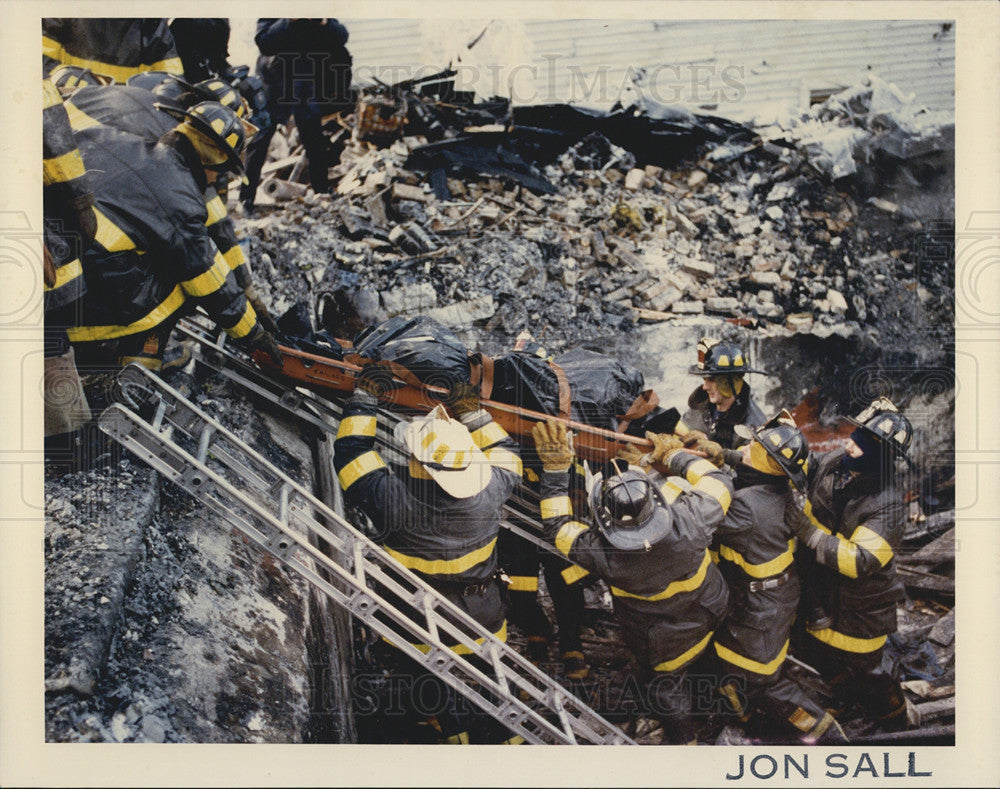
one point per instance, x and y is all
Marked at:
(883, 421)
(219, 90)
(227, 132)
(784, 442)
(176, 90)
(629, 510)
(720, 357)
(68, 78)
(147, 80)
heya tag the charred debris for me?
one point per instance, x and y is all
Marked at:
(828, 234)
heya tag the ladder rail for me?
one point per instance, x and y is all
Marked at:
(226, 447)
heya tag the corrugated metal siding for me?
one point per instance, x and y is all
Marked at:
(768, 61)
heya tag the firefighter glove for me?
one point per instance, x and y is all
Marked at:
(797, 520)
(664, 445)
(463, 398)
(262, 340)
(692, 437)
(554, 445)
(712, 449)
(632, 455)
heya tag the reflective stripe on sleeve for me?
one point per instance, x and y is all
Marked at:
(247, 322)
(154, 317)
(208, 281)
(488, 435)
(808, 510)
(60, 169)
(847, 558)
(66, 274)
(234, 257)
(363, 464)
(872, 542)
(832, 638)
(716, 489)
(110, 236)
(764, 569)
(357, 426)
(503, 459)
(573, 574)
(684, 657)
(523, 583)
(677, 587)
(736, 659)
(567, 535)
(555, 507)
(459, 564)
(78, 119)
(216, 211)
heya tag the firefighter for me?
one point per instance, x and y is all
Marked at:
(651, 547)
(755, 550)
(117, 48)
(203, 46)
(69, 226)
(440, 516)
(723, 400)
(133, 108)
(307, 69)
(853, 521)
(153, 257)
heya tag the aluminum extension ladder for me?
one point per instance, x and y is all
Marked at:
(201, 456)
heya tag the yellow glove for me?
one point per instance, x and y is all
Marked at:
(553, 444)
(664, 445)
(631, 454)
(712, 449)
(692, 437)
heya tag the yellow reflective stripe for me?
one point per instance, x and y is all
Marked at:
(677, 587)
(56, 51)
(700, 468)
(681, 428)
(66, 274)
(523, 583)
(671, 489)
(555, 507)
(444, 566)
(78, 119)
(488, 435)
(567, 535)
(714, 556)
(848, 643)
(503, 458)
(716, 489)
(739, 660)
(808, 510)
(234, 257)
(154, 317)
(170, 65)
(50, 94)
(110, 236)
(684, 657)
(847, 558)
(573, 574)
(247, 322)
(873, 543)
(363, 464)
(461, 649)
(216, 211)
(60, 169)
(357, 426)
(208, 281)
(764, 569)
(462, 738)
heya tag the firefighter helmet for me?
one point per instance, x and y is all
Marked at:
(68, 78)
(629, 510)
(176, 90)
(720, 357)
(221, 91)
(225, 131)
(148, 80)
(786, 446)
(890, 428)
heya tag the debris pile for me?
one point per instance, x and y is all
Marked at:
(500, 230)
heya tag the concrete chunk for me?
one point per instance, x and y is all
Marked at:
(699, 268)
(688, 307)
